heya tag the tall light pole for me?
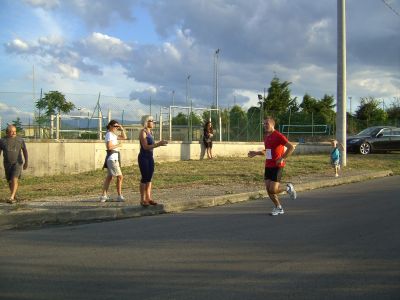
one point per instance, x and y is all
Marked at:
(341, 78)
(260, 99)
(173, 98)
(187, 90)
(216, 58)
(189, 110)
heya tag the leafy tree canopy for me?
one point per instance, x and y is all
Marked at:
(370, 112)
(279, 99)
(54, 102)
(18, 124)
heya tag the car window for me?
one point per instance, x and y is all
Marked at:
(387, 132)
(396, 131)
(369, 131)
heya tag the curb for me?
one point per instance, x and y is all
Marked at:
(39, 217)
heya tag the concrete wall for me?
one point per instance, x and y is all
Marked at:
(66, 157)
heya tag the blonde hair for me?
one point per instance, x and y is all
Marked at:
(145, 119)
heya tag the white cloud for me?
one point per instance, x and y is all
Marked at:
(294, 40)
(317, 32)
(46, 4)
(10, 113)
(172, 51)
(68, 71)
(17, 46)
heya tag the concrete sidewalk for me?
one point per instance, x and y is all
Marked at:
(75, 210)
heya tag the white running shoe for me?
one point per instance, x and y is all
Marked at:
(277, 211)
(120, 198)
(291, 191)
(104, 198)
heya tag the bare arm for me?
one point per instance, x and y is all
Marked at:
(25, 153)
(123, 134)
(146, 146)
(255, 153)
(289, 150)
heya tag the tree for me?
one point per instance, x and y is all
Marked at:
(370, 112)
(394, 112)
(238, 122)
(18, 124)
(54, 103)
(278, 100)
(254, 122)
(309, 104)
(180, 119)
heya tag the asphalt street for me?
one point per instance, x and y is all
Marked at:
(341, 242)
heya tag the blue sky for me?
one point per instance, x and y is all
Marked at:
(132, 50)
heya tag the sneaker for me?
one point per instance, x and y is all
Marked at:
(120, 198)
(277, 211)
(336, 175)
(291, 191)
(104, 198)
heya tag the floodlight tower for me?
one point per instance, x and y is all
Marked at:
(341, 78)
(216, 58)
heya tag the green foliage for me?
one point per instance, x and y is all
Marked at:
(238, 122)
(54, 102)
(370, 112)
(18, 124)
(319, 111)
(89, 136)
(180, 119)
(394, 112)
(279, 99)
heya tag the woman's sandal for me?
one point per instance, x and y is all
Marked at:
(151, 202)
(144, 204)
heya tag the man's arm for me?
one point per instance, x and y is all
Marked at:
(255, 153)
(289, 150)
(25, 153)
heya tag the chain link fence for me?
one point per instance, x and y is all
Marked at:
(89, 121)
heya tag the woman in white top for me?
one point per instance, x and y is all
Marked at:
(113, 161)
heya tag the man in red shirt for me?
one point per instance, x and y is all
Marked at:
(275, 156)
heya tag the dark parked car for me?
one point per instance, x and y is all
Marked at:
(375, 139)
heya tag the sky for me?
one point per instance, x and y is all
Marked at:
(137, 55)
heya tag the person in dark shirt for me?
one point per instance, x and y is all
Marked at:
(146, 160)
(12, 146)
(208, 134)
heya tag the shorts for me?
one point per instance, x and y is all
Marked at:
(113, 168)
(207, 144)
(12, 171)
(335, 162)
(273, 174)
(146, 166)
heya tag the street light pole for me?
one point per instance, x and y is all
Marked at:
(216, 56)
(189, 110)
(341, 78)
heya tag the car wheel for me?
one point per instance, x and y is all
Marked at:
(365, 148)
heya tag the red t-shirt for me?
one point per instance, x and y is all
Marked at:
(274, 148)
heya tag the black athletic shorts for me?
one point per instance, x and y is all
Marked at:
(273, 174)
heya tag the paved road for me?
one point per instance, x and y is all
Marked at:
(336, 243)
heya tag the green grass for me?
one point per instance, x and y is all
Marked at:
(220, 171)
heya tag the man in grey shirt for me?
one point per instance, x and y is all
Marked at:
(11, 147)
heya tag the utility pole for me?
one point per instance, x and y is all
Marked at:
(216, 56)
(341, 78)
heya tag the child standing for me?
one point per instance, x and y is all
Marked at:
(335, 156)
